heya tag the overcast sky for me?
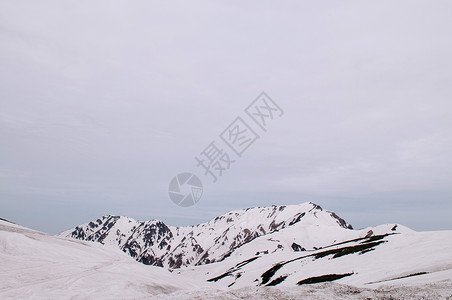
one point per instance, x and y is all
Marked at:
(103, 102)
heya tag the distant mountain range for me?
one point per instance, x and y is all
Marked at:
(155, 243)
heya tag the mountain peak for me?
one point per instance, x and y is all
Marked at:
(155, 243)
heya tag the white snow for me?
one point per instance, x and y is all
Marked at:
(37, 265)
(398, 262)
(403, 253)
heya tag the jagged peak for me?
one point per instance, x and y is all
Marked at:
(154, 242)
(261, 210)
(118, 217)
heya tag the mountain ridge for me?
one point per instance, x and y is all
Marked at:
(390, 262)
(155, 243)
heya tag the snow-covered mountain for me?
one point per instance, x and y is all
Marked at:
(384, 255)
(35, 265)
(155, 243)
(300, 251)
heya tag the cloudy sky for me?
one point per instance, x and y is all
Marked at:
(103, 102)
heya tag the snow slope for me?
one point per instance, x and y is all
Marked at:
(37, 265)
(388, 255)
(277, 252)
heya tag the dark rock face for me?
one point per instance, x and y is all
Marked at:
(301, 215)
(323, 278)
(369, 233)
(341, 221)
(7, 221)
(297, 247)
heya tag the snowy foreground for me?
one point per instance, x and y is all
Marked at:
(388, 262)
(37, 265)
